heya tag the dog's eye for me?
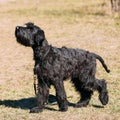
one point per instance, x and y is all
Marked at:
(30, 28)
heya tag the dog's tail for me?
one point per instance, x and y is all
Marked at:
(102, 62)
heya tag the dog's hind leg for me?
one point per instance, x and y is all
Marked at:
(61, 95)
(42, 97)
(85, 93)
(85, 98)
(101, 87)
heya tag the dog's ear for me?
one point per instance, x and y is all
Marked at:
(39, 37)
(29, 25)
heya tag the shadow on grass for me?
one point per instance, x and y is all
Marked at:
(25, 103)
(28, 103)
(98, 106)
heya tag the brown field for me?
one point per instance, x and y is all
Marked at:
(72, 23)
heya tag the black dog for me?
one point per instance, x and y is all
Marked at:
(54, 65)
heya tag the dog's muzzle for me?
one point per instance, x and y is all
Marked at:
(23, 36)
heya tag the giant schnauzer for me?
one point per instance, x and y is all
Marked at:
(54, 65)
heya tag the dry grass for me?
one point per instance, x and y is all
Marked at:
(85, 25)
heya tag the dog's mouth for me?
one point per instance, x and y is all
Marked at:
(22, 37)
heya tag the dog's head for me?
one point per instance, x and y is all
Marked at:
(29, 35)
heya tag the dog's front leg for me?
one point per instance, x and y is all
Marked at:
(42, 98)
(61, 95)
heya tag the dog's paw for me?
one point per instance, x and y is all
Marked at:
(63, 109)
(80, 104)
(104, 98)
(36, 110)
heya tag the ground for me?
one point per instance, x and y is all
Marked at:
(77, 24)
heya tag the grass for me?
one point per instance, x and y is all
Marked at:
(86, 25)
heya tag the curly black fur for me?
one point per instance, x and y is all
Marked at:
(54, 65)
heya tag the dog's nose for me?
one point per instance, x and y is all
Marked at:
(17, 28)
